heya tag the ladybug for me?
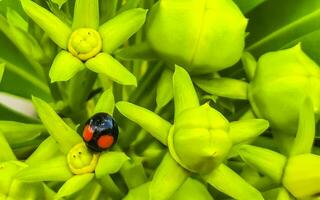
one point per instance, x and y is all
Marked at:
(100, 132)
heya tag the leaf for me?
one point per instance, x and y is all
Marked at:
(2, 67)
(64, 67)
(148, 120)
(86, 14)
(120, 28)
(167, 179)
(105, 64)
(59, 171)
(74, 184)
(224, 87)
(17, 132)
(105, 103)
(110, 163)
(57, 128)
(19, 76)
(184, 94)
(247, 6)
(230, 183)
(291, 21)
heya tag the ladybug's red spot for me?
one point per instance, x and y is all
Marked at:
(105, 141)
(87, 133)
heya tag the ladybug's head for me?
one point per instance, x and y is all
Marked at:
(100, 132)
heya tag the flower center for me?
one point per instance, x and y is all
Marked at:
(85, 43)
(81, 160)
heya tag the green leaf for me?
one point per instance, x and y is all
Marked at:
(259, 158)
(296, 20)
(74, 184)
(167, 179)
(105, 64)
(141, 51)
(6, 153)
(224, 87)
(105, 103)
(230, 183)
(184, 94)
(65, 66)
(246, 130)
(56, 29)
(120, 28)
(57, 128)
(247, 6)
(164, 89)
(2, 66)
(45, 151)
(86, 14)
(59, 171)
(14, 18)
(306, 130)
(110, 163)
(17, 132)
(148, 120)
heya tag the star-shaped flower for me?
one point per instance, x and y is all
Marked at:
(199, 141)
(298, 173)
(86, 44)
(64, 156)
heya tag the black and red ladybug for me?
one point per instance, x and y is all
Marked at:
(100, 132)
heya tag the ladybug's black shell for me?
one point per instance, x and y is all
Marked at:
(101, 124)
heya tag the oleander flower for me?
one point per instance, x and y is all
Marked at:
(198, 141)
(86, 44)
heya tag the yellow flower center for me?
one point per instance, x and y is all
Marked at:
(85, 43)
(81, 160)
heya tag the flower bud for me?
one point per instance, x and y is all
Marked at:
(199, 139)
(302, 176)
(283, 79)
(201, 36)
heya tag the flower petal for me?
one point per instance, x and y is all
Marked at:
(110, 163)
(86, 14)
(120, 28)
(105, 64)
(64, 67)
(185, 96)
(230, 183)
(74, 184)
(56, 29)
(151, 122)
(105, 102)
(6, 153)
(259, 158)
(167, 179)
(57, 128)
(59, 171)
